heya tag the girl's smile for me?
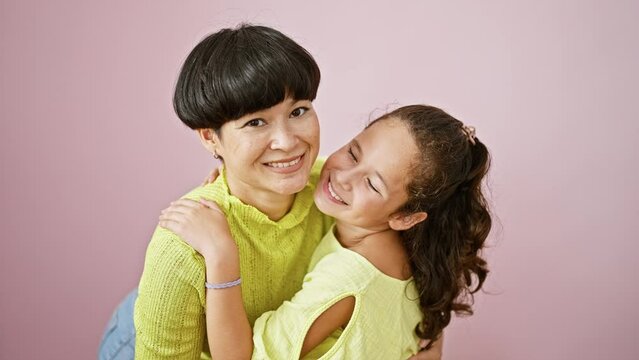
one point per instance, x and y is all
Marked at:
(364, 182)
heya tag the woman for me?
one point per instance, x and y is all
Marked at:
(231, 84)
(408, 264)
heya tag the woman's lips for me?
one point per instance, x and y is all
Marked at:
(286, 166)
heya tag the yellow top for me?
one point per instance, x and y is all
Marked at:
(274, 256)
(383, 321)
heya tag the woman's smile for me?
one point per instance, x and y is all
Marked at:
(286, 166)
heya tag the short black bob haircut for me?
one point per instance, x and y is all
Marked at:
(235, 72)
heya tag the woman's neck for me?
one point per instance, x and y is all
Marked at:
(273, 205)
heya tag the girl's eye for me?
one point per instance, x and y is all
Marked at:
(350, 151)
(371, 186)
(254, 123)
(299, 111)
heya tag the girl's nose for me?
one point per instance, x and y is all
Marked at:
(343, 179)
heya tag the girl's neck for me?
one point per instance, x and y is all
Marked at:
(273, 205)
(350, 236)
(382, 247)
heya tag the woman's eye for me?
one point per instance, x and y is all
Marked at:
(299, 111)
(371, 186)
(254, 123)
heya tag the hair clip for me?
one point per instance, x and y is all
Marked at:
(469, 131)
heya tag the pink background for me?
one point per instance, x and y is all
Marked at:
(91, 151)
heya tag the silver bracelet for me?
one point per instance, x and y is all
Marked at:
(225, 285)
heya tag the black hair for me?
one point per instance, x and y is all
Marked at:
(235, 72)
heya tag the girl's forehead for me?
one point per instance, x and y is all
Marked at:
(390, 149)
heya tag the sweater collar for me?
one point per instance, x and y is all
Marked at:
(232, 205)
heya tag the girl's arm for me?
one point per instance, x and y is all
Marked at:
(203, 226)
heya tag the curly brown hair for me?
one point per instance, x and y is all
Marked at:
(446, 183)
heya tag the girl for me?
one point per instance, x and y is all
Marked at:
(410, 221)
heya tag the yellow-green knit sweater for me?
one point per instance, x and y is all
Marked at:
(170, 310)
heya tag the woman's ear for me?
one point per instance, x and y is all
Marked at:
(402, 221)
(210, 140)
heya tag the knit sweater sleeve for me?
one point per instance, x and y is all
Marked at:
(280, 334)
(169, 312)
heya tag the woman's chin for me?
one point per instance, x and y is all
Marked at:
(290, 186)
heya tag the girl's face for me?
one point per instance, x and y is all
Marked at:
(272, 150)
(364, 182)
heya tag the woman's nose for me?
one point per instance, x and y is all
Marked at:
(283, 138)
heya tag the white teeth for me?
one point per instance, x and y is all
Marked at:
(284, 164)
(333, 194)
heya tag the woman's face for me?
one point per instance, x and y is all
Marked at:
(272, 150)
(364, 182)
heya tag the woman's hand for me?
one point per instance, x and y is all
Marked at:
(202, 225)
(212, 176)
(434, 353)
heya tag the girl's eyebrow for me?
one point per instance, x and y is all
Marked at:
(361, 153)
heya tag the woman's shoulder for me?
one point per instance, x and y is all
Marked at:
(216, 191)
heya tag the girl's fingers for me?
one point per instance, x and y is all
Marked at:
(210, 204)
(171, 225)
(176, 209)
(211, 177)
(184, 206)
(174, 216)
(187, 203)
(214, 174)
(207, 180)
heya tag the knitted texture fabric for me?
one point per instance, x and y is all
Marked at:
(274, 256)
(383, 321)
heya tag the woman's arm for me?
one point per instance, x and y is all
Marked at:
(434, 353)
(203, 226)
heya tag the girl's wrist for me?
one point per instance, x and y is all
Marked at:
(220, 250)
(222, 264)
(220, 271)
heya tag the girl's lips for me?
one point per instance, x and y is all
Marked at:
(327, 192)
(287, 169)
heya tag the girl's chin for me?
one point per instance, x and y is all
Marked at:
(322, 204)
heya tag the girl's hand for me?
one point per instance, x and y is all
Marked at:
(212, 176)
(202, 225)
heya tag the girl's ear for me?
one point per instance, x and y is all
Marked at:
(210, 140)
(403, 221)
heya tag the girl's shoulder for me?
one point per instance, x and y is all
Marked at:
(391, 260)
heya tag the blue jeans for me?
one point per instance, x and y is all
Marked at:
(118, 341)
